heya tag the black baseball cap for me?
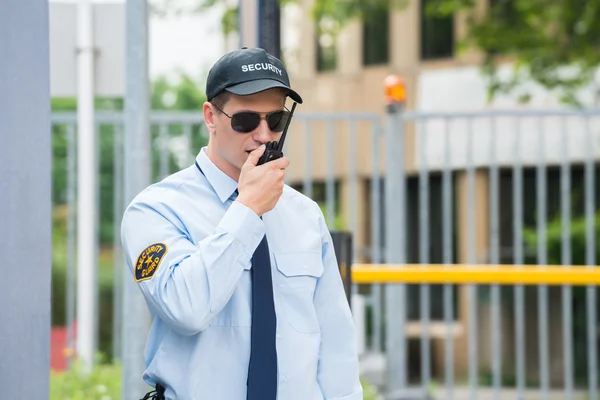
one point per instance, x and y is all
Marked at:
(248, 71)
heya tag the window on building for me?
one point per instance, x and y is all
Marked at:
(376, 36)
(437, 34)
(326, 47)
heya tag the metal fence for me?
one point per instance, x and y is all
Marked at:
(175, 138)
(517, 187)
(510, 187)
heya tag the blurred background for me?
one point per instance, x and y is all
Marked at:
(459, 133)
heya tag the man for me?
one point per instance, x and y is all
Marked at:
(238, 270)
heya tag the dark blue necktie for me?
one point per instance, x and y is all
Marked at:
(262, 371)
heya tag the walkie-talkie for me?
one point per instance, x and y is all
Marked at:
(274, 150)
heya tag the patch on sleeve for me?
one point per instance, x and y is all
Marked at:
(149, 260)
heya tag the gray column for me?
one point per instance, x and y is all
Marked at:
(25, 199)
(247, 20)
(136, 317)
(395, 250)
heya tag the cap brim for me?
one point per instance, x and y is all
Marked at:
(260, 85)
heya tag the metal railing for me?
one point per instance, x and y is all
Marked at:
(462, 188)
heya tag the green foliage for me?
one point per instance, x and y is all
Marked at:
(59, 282)
(103, 383)
(339, 222)
(577, 239)
(370, 392)
(336, 14)
(181, 92)
(552, 43)
(174, 8)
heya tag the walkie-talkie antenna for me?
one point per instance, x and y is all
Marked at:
(280, 143)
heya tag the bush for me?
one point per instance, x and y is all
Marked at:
(103, 383)
(577, 238)
(370, 392)
(59, 283)
(105, 303)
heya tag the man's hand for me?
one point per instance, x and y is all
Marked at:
(260, 187)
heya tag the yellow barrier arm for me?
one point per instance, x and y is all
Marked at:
(476, 274)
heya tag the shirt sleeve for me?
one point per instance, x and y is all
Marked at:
(187, 283)
(338, 369)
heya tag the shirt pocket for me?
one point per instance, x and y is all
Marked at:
(298, 275)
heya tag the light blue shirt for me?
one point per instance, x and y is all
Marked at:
(189, 247)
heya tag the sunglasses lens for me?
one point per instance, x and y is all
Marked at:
(277, 120)
(245, 122)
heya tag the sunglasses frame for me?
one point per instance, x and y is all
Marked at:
(260, 116)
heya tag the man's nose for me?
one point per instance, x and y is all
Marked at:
(262, 133)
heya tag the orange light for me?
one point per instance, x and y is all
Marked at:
(395, 89)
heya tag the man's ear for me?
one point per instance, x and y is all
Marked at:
(209, 117)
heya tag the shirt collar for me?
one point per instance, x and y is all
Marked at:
(223, 185)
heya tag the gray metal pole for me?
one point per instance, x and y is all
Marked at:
(25, 199)
(395, 208)
(136, 318)
(71, 239)
(248, 23)
(118, 260)
(87, 201)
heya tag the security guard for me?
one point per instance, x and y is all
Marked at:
(238, 269)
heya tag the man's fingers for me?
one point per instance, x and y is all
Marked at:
(280, 163)
(254, 156)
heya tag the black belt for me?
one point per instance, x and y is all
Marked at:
(157, 394)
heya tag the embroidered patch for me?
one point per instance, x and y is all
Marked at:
(149, 260)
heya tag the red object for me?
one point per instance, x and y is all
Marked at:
(59, 351)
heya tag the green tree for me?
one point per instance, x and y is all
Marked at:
(553, 43)
(178, 93)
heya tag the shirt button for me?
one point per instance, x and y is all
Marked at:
(278, 336)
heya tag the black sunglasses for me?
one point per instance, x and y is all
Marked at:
(247, 121)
